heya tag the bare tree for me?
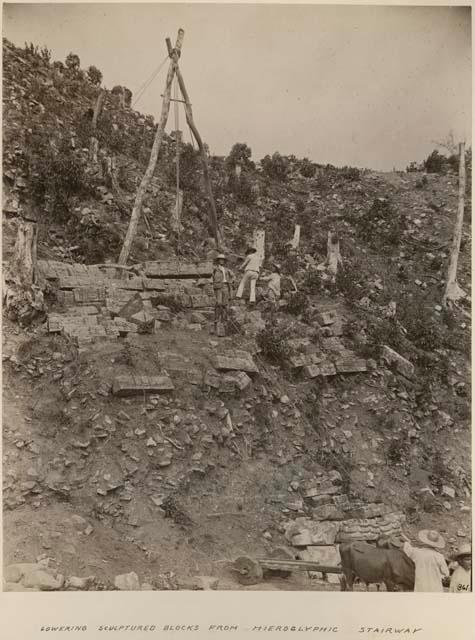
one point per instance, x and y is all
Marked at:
(453, 292)
(94, 142)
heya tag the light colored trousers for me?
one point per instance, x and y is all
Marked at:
(251, 277)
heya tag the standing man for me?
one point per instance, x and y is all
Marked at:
(461, 581)
(222, 280)
(430, 564)
(251, 267)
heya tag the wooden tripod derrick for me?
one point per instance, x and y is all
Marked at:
(174, 54)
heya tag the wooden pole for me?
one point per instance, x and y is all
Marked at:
(204, 160)
(453, 292)
(136, 211)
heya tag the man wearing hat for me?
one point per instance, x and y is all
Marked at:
(272, 293)
(461, 581)
(222, 279)
(251, 267)
(430, 564)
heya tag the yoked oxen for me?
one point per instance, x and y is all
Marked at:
(371, 565)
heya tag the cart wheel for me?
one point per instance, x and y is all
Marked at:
(249, 570)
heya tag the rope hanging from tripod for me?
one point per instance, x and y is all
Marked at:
(177, 142)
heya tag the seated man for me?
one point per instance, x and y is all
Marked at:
(272, 292)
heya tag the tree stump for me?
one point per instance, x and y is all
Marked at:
(23, 299)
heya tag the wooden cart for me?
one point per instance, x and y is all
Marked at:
(251, 570)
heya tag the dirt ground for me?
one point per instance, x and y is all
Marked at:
(226, 503)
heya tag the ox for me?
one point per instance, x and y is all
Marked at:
(375, 565)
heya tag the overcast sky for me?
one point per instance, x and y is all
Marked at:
(364, 86)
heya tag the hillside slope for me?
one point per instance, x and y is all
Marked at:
(181, 483)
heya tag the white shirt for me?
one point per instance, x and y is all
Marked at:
(430, 568)
(274, 283)
(225, 275)
(252, 262)
(461, 581)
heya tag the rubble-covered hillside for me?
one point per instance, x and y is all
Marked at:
(136, 440)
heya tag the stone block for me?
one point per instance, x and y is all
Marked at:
(327, 512)
(369, 511)
(89, 294)
(144, 320)
(175, 269)
(402, 366)
(370, 529)
(341, 501)
(41, 580)
(212, 379)
(332, 344)
(327, 555)
(326, 318)
(324, 533)
(299, 343)
(326, 488)
(320, 500)
(239, 380)
(351, 365)
(448, 491)
(137, 385)
(306, 532)
(302, 539)
(154, 284)
(198, 583)
(325, 369)
(304, 360)
(235, 361)
(123, 327)
(200, 301)
(127, 582)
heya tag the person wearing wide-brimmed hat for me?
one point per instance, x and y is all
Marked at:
(461, 581)
(429, 562)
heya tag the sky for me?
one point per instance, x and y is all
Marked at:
(365, 86)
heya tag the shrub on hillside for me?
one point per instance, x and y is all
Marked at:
(422, 330)
(297, 303)
(350, 173)
(398, 450)
(72, 62)
(128, 97)
(242, 188)
(423, 182)
(381, 225)
(347, 283)
(276, 167)
(98, 242)
(307, 168)
(240, 155)
(94, 75)
(440, 474)
(313, 283)
(272, 341)
(190, 167)
(436, 163)
(55, 177)
(413, 167)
